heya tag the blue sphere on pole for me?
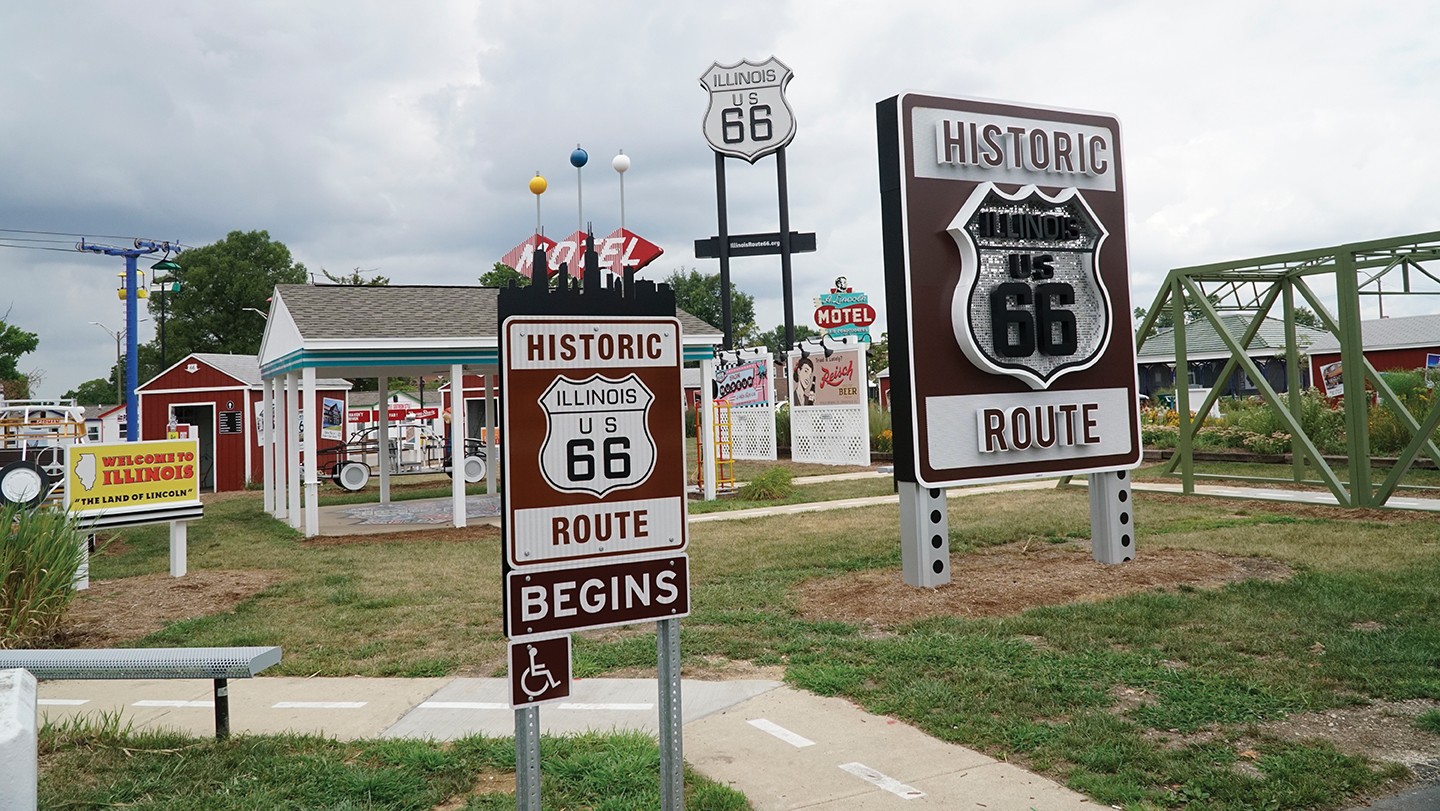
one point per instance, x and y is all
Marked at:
(579, 157)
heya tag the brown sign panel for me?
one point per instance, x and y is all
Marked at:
(539, 671)
(1007, 285)
(551, 601)
(594, 463)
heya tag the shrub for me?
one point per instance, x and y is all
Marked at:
(40, 553)
(882, 438)
(782, 426)
(775, 484)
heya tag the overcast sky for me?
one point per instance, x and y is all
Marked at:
(399, 138)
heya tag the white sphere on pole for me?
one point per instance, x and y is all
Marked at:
(621, 163)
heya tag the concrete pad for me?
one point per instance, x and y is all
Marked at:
(481, 706)
(345, 708)
(816, 752)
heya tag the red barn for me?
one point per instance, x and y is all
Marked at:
(219, 395)
(1406, 342)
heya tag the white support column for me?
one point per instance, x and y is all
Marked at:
(312, 448)
(924, 535)
(281, 439)
(264, 431)
(1112, 517)
(492, 434)
(179, 548)
(292, 447)
(82, 572)
(19, 727)
(383, 438)
(457, 445)
(707, 428)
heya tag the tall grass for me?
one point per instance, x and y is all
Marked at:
(40, 553)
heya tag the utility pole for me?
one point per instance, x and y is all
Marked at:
(142, 247)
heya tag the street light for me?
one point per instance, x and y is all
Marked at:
(164, 285)
(118, 336)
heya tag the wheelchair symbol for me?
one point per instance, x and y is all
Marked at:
(536, 680)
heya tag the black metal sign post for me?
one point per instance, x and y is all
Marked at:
(572, 459)
(749, 118)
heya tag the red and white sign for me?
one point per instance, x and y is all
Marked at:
(858, 315)
(621, 249)
(592, 413)
(393, 414)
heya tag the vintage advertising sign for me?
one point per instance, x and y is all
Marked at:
(744, 378)
(748, 116)
(619, 250)
(131, 476)
(539, 671)
(843, 312)
(1007, 287)
(816, 380)
(594, 457)
(547, 601)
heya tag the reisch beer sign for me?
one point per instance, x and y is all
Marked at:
(1007, 285)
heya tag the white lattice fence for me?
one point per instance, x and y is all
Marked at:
(752, 432)
(830, 435)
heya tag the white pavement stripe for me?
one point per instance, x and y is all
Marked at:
(582, 706)
(889, 784)
(463, 705)
(317, 705)
(765, 725)
(62, 702)
(155, 702)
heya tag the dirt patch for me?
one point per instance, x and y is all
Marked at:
(488, 781)
(115, 612)
(478, 532)
(1384, 730)
(1007, 580)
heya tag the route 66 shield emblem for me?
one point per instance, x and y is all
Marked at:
(748, 116)
(597, 434)
(1030, 302)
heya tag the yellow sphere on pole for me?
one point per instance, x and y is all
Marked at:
(537, 185)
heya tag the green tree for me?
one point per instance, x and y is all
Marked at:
(775, 338)
(699, 295)
(94, 392)
(355, 279)
(1306, 317)
(877, 356)
(217, 283)
(14, 342)
(501, 275)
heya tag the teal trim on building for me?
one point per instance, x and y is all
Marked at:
(345, 358)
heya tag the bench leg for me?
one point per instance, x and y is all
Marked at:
(222, 709)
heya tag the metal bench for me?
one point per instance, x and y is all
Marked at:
(219, 664)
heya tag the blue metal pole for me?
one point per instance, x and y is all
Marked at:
(132, 366)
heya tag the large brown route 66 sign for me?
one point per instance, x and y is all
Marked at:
(594, 454)
(1007, 287)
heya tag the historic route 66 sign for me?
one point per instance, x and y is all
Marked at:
(1030, 302)
(748, 116)
(597, 437)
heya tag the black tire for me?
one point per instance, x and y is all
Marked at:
(23, 482)
(353, 476)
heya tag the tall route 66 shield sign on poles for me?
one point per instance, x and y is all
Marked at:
(748, 116)
(596, 401)
(1007, 281)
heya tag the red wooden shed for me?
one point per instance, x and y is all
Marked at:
(219, 395)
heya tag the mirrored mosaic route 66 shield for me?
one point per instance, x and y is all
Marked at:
(594, 438)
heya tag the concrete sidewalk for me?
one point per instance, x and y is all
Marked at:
(781, 747)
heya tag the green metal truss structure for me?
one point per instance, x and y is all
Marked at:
(1254, 287)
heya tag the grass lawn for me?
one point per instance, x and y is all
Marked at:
(1052, 688)
(155, 770)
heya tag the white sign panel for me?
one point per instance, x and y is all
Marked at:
(748, 116)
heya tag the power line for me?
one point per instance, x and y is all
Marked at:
(66, 234)
(37, 248)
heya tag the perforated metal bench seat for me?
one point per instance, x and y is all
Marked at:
(217, 664)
